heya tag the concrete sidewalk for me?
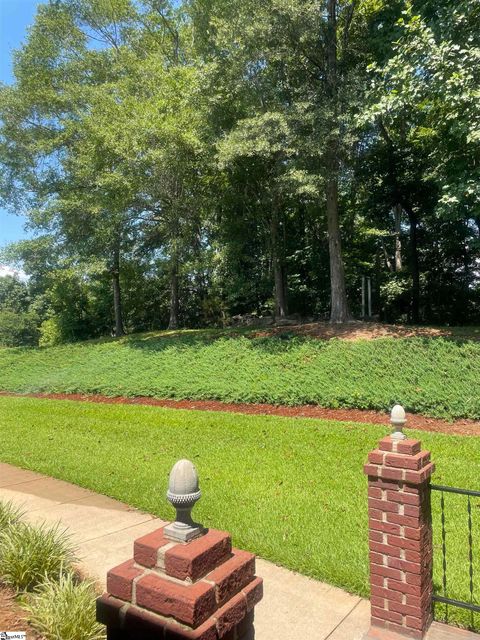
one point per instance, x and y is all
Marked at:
(294, 607)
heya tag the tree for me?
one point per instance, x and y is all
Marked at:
(426, 110)
(339, 306)
(186, 162)
(14, 294)
(301, 63)
(107, 122)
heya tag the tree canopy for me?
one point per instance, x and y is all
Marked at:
(186, 162)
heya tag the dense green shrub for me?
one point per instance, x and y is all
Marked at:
(50, 333)
(18, 329)
(395, 293)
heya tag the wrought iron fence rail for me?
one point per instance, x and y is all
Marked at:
(457, 603)
(464, 492)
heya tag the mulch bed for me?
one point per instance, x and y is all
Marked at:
(414, 421)
(12, 616)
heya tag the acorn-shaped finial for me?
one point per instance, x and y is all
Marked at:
(397, 420)
(183, 492)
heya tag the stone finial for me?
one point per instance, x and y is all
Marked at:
(183, 492)
(397, 420)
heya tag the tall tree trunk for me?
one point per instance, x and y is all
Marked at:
(415, 268)
(280, 287)
(281, 309)
(339, 306)
(174, 297)
(117, 296)
(388, 262)
(398, 240)
(477, 222)
(378, 270)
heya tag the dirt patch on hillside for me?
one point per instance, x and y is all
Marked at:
(414, 421)
(354, 330)
(13, 617)
(369, 331)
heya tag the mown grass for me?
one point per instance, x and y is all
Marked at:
(434, 376)
(292, 490)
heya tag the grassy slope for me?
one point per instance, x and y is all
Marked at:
(434, 376)
(291, 490)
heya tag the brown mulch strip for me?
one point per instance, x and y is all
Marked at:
(12, 616)
(414, 421)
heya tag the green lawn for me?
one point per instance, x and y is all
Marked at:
(291, 490)
(435, 376)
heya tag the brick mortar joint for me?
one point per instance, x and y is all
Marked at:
(163, 620)
(187, 582)
(156, 571)
(161, 552)
(123, 612)
(134, 588)
(149, 572)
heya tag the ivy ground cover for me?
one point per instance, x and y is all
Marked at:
(433, 376)
(291, 490)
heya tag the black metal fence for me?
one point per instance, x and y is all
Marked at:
(470, 580)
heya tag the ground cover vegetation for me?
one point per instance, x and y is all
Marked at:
(64, 609)
(36, 562)
(436, 377)
(29, 554)
(268, 480)
(185, 162)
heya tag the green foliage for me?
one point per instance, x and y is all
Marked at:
(432, 79)
(50, 333)
(64, 609)
(395, 292)
(182, 151)
(423, 114)
(38, 559)
(14, 294)
(30, 554)
(433, 376)
(18, 329)
(289, 505)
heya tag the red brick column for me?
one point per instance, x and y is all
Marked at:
(400, 539)
(198, 590)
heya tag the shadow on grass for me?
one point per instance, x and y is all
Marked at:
(180, 340)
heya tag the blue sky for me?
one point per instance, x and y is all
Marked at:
(15, 17)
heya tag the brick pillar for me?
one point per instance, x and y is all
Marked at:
(400, 538)
(184, 582)
(200, 590)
